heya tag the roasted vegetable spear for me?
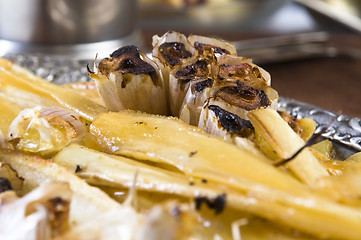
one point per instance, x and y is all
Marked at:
(264, 190)
(27, 90)
(285, 142)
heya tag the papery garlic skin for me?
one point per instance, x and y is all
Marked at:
(194, 100)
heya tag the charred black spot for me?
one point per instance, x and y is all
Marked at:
(124, 50)
(200, 86)
(204, 181)
(231, 122)
(5, 185)
(173, 52)
(243, 96)
(127, 63)
(201, 47)
(57, 201)
(191, 154)
(127, 60)
(217, 203)
(78, 169)
(190, 72)
(59, 211)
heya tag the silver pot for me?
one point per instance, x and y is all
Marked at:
(65, 26)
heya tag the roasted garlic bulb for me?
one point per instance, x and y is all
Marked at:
(199, 79)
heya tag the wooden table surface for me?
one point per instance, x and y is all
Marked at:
(330, 83)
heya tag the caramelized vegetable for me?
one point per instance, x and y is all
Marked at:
(147, 137)
(285, 142)
(28, 90)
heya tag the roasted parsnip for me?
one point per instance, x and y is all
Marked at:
(272, 192)
(28, 90)
(285, 142)
(87, 201)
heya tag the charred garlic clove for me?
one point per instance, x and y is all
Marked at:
(238, 98)
(219, 122)
(242, 96)
(170, 50)
(182, 77)
(129, 80)
(197, 94)
(209, 46)
(233, 68)
(232, 101)
(45, 131)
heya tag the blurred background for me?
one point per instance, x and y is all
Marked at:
(312, 48)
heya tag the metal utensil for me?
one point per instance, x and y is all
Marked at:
(347, 12)
(292, 47)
